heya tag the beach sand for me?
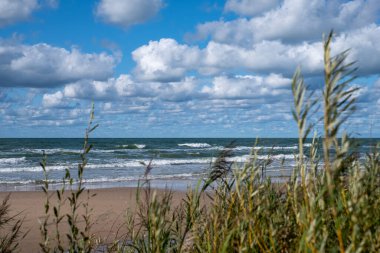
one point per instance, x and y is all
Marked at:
(109, 207)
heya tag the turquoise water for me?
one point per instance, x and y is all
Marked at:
(117, 162)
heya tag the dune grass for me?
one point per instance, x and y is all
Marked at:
(330, 203)
(10, 228)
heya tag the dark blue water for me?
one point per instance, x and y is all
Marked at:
(118, 162)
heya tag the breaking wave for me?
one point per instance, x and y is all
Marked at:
(132, 146)
(12, 160)
(195, 145)
(135, 163)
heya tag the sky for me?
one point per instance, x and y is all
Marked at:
(176, 68)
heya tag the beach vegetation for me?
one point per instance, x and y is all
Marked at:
(78, 238)
(10, 228)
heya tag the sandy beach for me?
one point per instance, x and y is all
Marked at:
(109, 206)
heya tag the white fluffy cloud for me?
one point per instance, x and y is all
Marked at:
(269, 87)
(52, 100)
(364, 48)
(250, 7)
(108, 89)
(248, 86)
(122, 88)
(42, 65)
(264, 57)
(293, 21)
(127, 12)
(242, 73)
(166, 59)
(12, 11)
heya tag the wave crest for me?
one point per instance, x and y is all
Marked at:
(12, 160)
(195, 145)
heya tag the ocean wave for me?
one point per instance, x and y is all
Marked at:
(238, 148)
(100, 151)
(55, 151)
(133, 163)
(17, 182)
(246, 158)
(110, 165)
(285, 148)
(120, 148)
(31, 169)
(107, 179)
(48, 151)
(131, 146)
(195, 145)
(265, 148)
(242, 148)
(135, 178)
(12, 160)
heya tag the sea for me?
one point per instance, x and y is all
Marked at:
(176, 163)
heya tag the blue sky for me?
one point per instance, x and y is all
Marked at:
(171, 68)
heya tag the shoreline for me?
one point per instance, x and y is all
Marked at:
(108, 211)
(174, 185)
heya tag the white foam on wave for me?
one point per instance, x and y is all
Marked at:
(49, 151)
(130, 146)
(246, 158)
(31, 169)
(102, 151)
(12, 160)
(195, 145)
(107, 179)
(241, 148)
(110, 165)
(278, 147)
(53, 151)
(17, 182)
(286, 148)
(135, 178)
(136, 163)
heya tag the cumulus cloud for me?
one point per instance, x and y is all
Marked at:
(250, 7)
(42, 65)
(263, 57)
(52, 100)
(242, 73)
(265, 89)
(122, 88)
(364, 48)
(292, 21)
(12, 11)
(248, 86)
(166, 59)
(126, 13)
(101, 90)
